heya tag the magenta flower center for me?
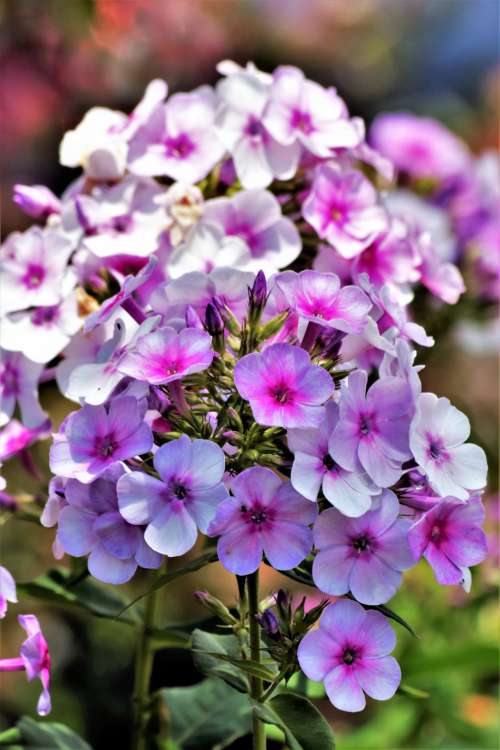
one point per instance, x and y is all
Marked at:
(281, 393)
(349, 656)
(179, 147)
(9, 380)
(366, 424)
(122, 224)
(106, 445)
(34, 276)
(255, 515)
(178, 490)
(361, 543)
(328, 462)
(302, 121)
(254, 128)
(43, 315)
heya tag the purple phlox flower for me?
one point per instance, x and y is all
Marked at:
(393, 316)
(254, 216)
(155, 93)
(179, 138)
(42, 333)
(258, 157)
(207, 247)
(95, 382)
(319, 298)
(451, 539)
(227, 286)
(437, 440)
(37, 201)
(182, 501)
(363, 555)
(342, 207)
(15, 437)
(82, 349)
(400, 364)
(314, 469)
(300, 112)
(184, 204)
(419, 146)
(283, 387)
(91, 524)
(95, 437)
(373, 429)
(19, 378)
(33, 275)
(7, 590)
(56, 501)
(130, 284)
(365, 153)
(390, 259)
(97, 145)
(263, 516)
(165, 355)
(123, 219)
(349, 653)
(416, 496)
(34, 659)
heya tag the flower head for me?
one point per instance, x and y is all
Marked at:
(19, 378)
(34, 659)
(182, 501)
(362, 555)
(349, 652)
(283, 387)
(264, 516)
(7, 590)
(437, 440)
(451, 539)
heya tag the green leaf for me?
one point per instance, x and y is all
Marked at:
(170, 638)
(207, 650)
(303, 725)
(393, 616)
(57, 586)
(43, 736)
(299, 574)
(207, 716)
(190, 567)
(252, 668)
(412, 692)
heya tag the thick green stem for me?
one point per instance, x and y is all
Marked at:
(258, 728)
(143, 667)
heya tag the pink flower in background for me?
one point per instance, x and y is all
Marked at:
(451, 539)
(34, 659)
(300, 112)
(165, 355)
(264, 516)
(343, 208)
(437, 436)
(373, 428)
(363, 555)
(283, 387)
(7, 590)
(15, 437)
(349, 653)
(419, 146)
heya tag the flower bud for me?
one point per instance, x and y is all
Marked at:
(36, 200)
(215, 606)
(268, 622)
(213, 321)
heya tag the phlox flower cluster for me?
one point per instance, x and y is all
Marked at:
(226, 296)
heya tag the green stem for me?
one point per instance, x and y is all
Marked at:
(258, 728)
(272, 687)
(143, 667)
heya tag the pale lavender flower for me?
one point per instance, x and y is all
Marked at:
(95, 437)
(34, 659)
(373, 428)
(283, 387)
(314, 469)
(182, 501)
(342, 207)
(36, 200)
(90, 524)
(7, 590)
(437, 436)
(451, 539)
(254, 216)
(179, 139)
(264, 516)
(19, 378)
(207, 247)
(349, 653)
(300, 112)
(318, 298)
(362, 555)
(96, 145)
(32, 275)
(165, 355)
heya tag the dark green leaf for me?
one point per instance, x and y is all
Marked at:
(412, 692)
(300, 575)
(303, 725)
(252, 668)
(170, 638)
(207, 650)
(56, 586)
(393, 616)
(190, 567)
(207, 716)
(42, 736)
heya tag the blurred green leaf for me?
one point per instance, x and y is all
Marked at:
(43, 736)
(207, 650)
(57, 586)
(252, 668)
(302, 724)
(477, 657)
(412, 692)
(207, 716)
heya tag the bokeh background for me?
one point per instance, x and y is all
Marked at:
(435, 57)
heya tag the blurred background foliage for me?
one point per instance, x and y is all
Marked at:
(438, 57)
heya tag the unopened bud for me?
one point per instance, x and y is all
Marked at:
(36, 200)
(213, 321)
(258, 292)
(268, 622)
(215, 606)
